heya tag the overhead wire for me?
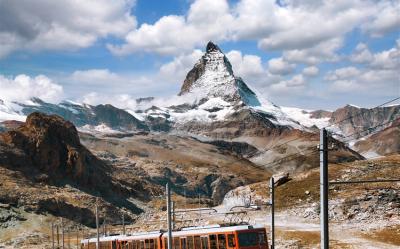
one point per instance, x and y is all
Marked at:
(338, 122)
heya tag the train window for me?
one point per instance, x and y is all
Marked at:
(190, 242)
(248, 239)
(261, 238)
(204, 242)
(197, 242)
(183, 243)
(176, 243)
(114, 245)
(213, 241)
(124, 245)
(141, 244)
(151, 244)
(221, 241)
(231, 240)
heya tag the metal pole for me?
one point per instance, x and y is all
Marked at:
(169, 216)
(173, 214)
(272, 203)
(52, 235)
(324, 181)
(97, 228)
(123, 223)
(58, 238)
(77, 237)
(199, 209)
(62, 233)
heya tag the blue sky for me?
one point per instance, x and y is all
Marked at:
(308, 54)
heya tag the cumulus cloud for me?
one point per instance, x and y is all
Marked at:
(297, 82)
(176, 70)
(246, 66)
(124, 101)
(342, 73)
(22, 88)
(361, 54)
(386, 59)
(61, 25)
(324, 51)
(280, 66)
(387, 20)
(379, 74)
(311, 71)
(206, 20)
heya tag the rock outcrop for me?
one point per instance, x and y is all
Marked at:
(51, 145)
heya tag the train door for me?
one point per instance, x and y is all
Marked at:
(183, 243)
(231, 241)
(262, 239)
(204, 242)
(222, 241)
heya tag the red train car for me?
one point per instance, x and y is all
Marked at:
(211, 237)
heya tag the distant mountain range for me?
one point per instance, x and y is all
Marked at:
(215, 104)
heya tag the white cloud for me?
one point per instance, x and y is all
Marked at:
(379, 75)
(61, 25)
(206, 20)
(386, 20)
(324, 51)
(95, 76)
(280, 66)
(22, 88)
(361, 54)
(246, 66)
(311, 71)
(386, 59)
(297, 82)
(124, 101)
(342, 73)
(345, 86)
(176, 70)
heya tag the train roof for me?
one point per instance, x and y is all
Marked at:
(183, 232)
(210, 229)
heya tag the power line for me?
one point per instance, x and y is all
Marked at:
(370, 128)
(361, 112)
(298, 138)
(365, 181)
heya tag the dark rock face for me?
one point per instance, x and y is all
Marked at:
(359, 119)
(384, 142)
(195, 73)
(51, 145)
(117, 118)
(81, 115)
(211, 47)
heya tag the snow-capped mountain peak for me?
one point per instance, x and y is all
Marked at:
(212, 77)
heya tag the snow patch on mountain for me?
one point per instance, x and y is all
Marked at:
(304, 117)
(10, 111)
(102, 128)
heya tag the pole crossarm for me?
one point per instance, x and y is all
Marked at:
(365, 181)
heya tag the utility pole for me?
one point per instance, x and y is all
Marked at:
(173, 214)
(199, 210)
(52, 235)
(97, 228)
(62, 233)
(169, 221)
(272, 203)
(324, 185)
(77, 237)
(123, 223)
(58, 237)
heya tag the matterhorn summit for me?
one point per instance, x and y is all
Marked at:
(212, 77)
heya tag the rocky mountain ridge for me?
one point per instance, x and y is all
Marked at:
(213, 104)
